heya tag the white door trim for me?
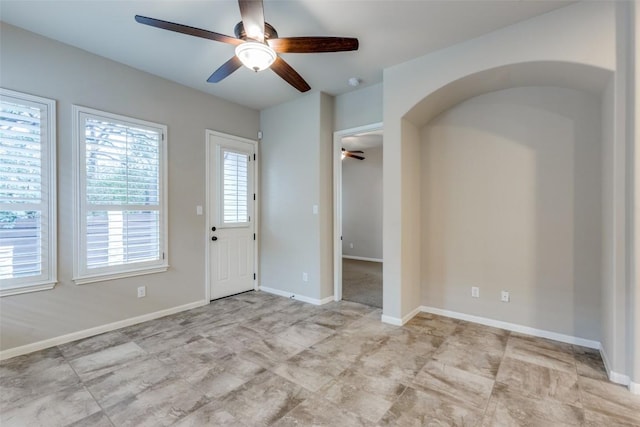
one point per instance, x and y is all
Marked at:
(209, 202)
(337, 201)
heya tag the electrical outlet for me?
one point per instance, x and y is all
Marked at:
(475, 292)
(305, 277)
(142, 291)
(351, 245)
(504, 296)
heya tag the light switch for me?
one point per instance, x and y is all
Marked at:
(198, 210)
(315, 209)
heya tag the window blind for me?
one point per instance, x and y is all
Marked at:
(26, 235)
(235, 188)
(121, 193)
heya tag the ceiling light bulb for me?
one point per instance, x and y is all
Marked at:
(255, 56)
(354, 81)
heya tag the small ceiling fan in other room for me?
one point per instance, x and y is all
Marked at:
(258, 45)
(353, 154)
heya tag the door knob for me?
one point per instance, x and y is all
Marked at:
(213, 229)
(214, 238)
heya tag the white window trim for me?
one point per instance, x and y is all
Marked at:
(80, 276)
(50, 281)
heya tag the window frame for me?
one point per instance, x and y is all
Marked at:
(81, 274)
(48, 260)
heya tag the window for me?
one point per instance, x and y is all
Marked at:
(121, 197)
(235, 188)
(27, 193)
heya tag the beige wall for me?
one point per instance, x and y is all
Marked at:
(635, 140)
(583, 33)
(358, 108)
(572, 47)
(362, 205)
(39, 66)
(511, 201)
(296, 146)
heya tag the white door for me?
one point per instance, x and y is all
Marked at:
(231, 215)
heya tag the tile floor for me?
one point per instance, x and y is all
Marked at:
(256, 360)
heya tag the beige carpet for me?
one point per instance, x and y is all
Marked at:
(362, 282)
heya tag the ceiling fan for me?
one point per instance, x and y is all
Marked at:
(353, 154)
(258, 45)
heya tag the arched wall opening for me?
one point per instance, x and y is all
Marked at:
(510, 184)
(511, 178)
(583, 47)
(511, 197)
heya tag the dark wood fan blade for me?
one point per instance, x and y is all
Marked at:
(348, 154)
(313, 44)
(284, 70)
(252, 13)
(225, 70)
(356, 151)
(185, 29)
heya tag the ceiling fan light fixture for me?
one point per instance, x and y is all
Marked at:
(255, 56)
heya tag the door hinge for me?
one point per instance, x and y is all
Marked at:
(254, 196)
(162, 255)
(254, 236)
(254, 276)
(254, 156)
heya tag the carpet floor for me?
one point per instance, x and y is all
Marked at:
(362, 282)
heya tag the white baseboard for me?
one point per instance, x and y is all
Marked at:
(399, 322)
(361, 258)
(616, 377)
(63, 339)
(513, 327)
(395, 321)
(297, 297)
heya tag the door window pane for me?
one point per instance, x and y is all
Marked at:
(235, 188)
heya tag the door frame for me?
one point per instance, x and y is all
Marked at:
(209, 206)
(337, 201)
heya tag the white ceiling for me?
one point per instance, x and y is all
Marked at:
(390, 32)
(362, 141)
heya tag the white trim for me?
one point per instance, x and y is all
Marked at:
(361, 258)
(296, 297)
(391, 320)
(63, 339)
(81, 273)
(513, 327)
(634, 387)
(618, 378)
(26, 289)
(121, 275)
(613, 376)
(49, 192)
(209, 208)
(337, 201)
(399, 322)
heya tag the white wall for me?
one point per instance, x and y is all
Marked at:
(362, 205)
(39, 66)
(583, 33)
(511, 200)
(584, 36)
(635, 138)
(358, 108)
(296, 146)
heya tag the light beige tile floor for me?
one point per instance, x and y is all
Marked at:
(257, 360)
